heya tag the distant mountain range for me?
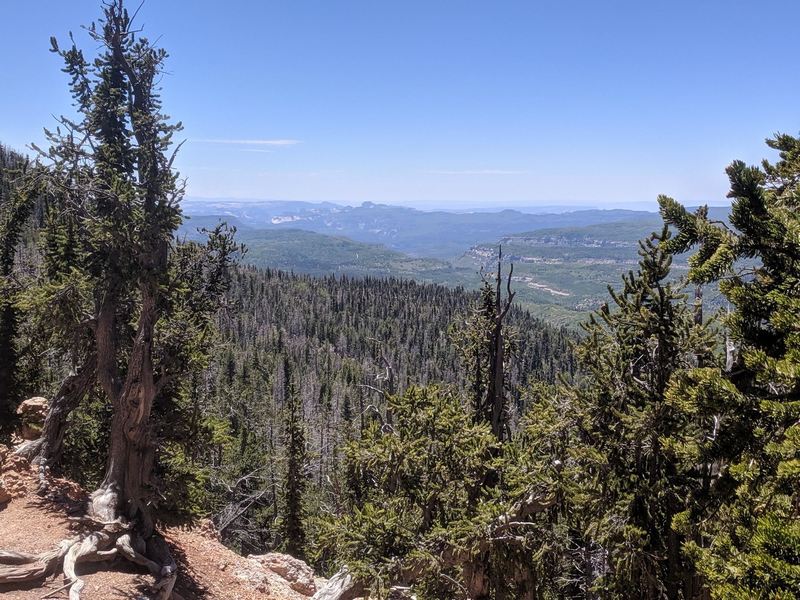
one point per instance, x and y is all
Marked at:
(439, 234)
(563, 262)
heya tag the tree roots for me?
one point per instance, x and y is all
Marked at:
(114, 539)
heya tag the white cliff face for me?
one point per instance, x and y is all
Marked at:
(286, 219)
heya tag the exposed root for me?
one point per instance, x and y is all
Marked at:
(126, 549)
(84, 550)
(107, 536)
(18, 567)
(114, 539)
(157, 548)
(30, 449)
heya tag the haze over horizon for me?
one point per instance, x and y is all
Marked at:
(452, 105)
(474, 206)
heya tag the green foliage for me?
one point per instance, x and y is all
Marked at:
(543, 459)
(16, 204)
(86, 442)
(416, 494)
(296, 475)
(184, 485)
(748, 518)
(579, 502)
(334, 331)
(631, 484)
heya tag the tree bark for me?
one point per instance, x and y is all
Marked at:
(130, 460)
(46, 450)
(496, 397)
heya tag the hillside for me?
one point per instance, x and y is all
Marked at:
(335, 332)
(338, 334)
(564, 272)
(313, 253)
(564, 262)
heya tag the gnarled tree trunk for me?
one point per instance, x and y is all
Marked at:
(130, 460)
(46, 450)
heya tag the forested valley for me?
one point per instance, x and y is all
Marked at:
(332, 349)
(405, 439)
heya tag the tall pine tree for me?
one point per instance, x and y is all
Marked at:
(633, 485)
(296, 475)
(140, 304)
(748, 514)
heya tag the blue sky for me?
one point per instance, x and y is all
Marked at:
(440, 103)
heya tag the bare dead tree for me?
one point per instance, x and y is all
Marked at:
(497, 385)
(387, 376)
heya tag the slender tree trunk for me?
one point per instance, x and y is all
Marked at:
(497, 398)
(46, 450)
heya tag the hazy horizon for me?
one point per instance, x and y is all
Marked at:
(464, 207)
(443, 105)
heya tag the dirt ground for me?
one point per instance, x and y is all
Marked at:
(207, 569)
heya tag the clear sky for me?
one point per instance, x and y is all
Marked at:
(444, 103)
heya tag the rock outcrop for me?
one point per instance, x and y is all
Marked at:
(32, 413)
(299, 575)
(11, 481)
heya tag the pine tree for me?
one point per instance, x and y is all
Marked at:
(416, 491)
(296, 475)
(16, 204)
(633, 483)
(140, 305)
(486, 344)
(748, 513)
